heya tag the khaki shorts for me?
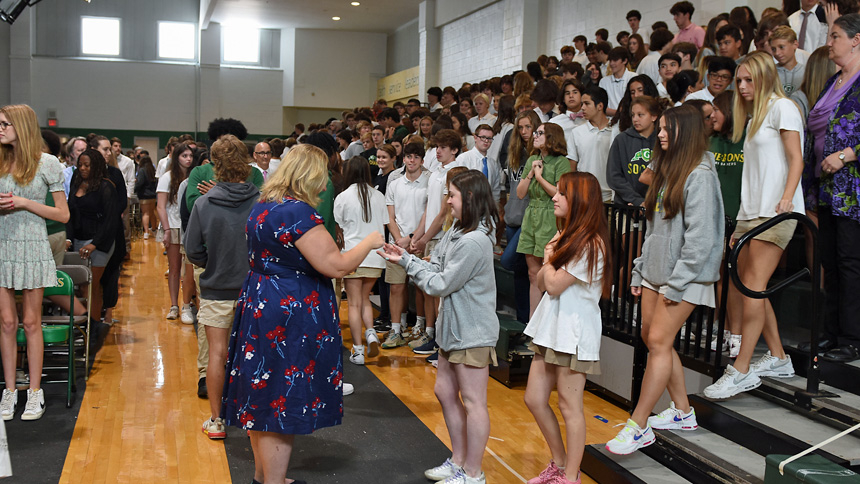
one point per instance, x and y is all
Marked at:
(477, 357)
(566, 360)
(173, 236)
(365, 272)
(217, 314)
(395, 273)
(57, 242)
(430, 246)
(780, 235)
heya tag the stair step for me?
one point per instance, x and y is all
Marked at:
(795, 430)
(834, 399)
(636, 468)
(734, 462)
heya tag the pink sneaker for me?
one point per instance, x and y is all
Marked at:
(550, 475)
(562, 479)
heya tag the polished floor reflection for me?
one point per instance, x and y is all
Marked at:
(140, 416)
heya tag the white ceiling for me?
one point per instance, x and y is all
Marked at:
(370, 16)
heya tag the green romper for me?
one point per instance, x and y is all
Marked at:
(539, 220)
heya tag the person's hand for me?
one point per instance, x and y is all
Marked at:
(68, 244)
(636, 291)
(832, 164)
(784, 206)
(404, 242)
(8, 201)
(831, 13)
(166, 240)
(86, 251)
(537, 168)
(375, 239)
(549, 250)
(391, 253)
(668, 301)
(417, 246)
(205, 186)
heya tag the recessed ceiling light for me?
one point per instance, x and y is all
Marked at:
(355, 4)
(335, 18)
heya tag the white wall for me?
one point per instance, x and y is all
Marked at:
(4, 64)
(402, 52)
(472, 47)
(337, 69)
(450, 10)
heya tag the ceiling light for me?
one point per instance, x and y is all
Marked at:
(355, 4)
(335, 18)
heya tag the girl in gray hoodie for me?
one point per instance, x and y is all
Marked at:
(679, 264)
(462, 275)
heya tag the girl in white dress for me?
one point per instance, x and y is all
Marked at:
(566, 324)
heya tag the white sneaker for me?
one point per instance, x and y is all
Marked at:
(444, 471)
(357, 356)
(145, 235)
(460, 477)
(732, 382)
(769, 365)
(173, 313)
(734, 345)
(348, 388)
(674, 419)
(35, 405)
(372, 342)
(726, 336)
(631, 438)
(187, 314)
(8, 404)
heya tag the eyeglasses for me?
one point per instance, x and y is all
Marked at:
(539, 133)
(4, 124)
(485, 138)
(721, 77)
(263, 153)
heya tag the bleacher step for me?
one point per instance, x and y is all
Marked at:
(636, 468)
(834, 400)
(732, 462)
(745, 418)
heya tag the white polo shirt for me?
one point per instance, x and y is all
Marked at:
(436, 190)
(475, 121)
(615, 87)
(474, 160)
(163, 166)
(591, 152)
(349, 216)
(409, 199)
(567, 125)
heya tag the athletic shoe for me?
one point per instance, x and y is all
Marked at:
(433, 359)
(631, 438)
(416, 333)
(202, 391)
(734, 345)
(8, 404)
(35, 405)
(732, 382)
(372, 342)
(215, 429)
(173, 313)
(674, 419)
(348, 388)
(462, 478)
(381, 326)
(726, 336)
(421, 340)
(549, 475)
(187, 315)
(357, 356)
(444, 471)
(145, 235)
(769, 365)
(426, 349)
(394, 340)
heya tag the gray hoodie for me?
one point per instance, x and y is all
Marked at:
(461, 272)
(687, 248)
(215, 238)
(629, 155)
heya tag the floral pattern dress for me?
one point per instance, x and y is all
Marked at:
(284, 362)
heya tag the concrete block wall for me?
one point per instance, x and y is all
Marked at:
(471, 48)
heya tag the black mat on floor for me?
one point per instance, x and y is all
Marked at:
(38, 448)
(380, 440)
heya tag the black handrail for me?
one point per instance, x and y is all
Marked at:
(813, 376)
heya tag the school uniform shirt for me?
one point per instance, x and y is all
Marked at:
(174, 220)
(436, 190)
(545, 117)
(692, 33)
(570, 322)
(703, 94)
(765, 165)
(791, 79)
(650, 67)
(350, 217)
(816, 31)
(568, 121)
(409, 199)
(581, 58)
(126, 166)
(474, 160)
(430, 160)
(662, 91)
(163, 165)
(476, 121)
(591, 151)
(615, 87)
(436, 107)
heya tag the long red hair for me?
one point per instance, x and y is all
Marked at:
(584, 231)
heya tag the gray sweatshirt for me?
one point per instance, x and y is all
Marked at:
(629, 155)
(687, 248)
(461, 272)
(215, 238)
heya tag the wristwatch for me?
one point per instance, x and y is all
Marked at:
(842, 156)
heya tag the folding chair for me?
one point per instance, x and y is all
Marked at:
(81, 275)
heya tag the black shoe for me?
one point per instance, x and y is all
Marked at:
(381, 326)
(843, 354)
(824, 345)
(202, 392)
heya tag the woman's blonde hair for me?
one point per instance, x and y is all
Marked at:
(302, 175)
(229, 158)
(766, 81)
(819, 68)
(27, 152)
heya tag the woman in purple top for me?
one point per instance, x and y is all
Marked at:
(832, 182)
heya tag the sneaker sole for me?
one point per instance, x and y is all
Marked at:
(435, 477)
(372, 348)
(28, 418)
(215, 435)
(638, 446)
(424, 352)
(675, 427)
(737, 391)
(775, 374)
(8, 417)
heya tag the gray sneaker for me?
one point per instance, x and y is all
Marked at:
(732, 382)
(8, 404)
(423, 340)
(769, 365)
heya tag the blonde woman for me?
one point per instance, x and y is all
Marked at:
(26, 262)
(284, 361)
(770, 185)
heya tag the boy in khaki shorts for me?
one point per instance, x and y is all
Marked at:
(215, 241)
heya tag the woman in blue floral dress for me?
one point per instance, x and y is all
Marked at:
(284, 362)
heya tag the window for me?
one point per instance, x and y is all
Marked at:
(176, 40)
(100, 36)
(241, 44)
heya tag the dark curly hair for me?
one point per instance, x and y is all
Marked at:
(222, 126)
